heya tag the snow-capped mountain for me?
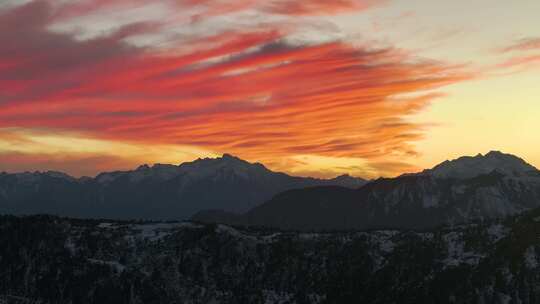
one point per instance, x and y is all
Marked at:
(153, 192)
(223, 169)
(468, 167)
(496, 185)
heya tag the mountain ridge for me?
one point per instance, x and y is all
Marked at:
(496, 186)
(470, 166)
(159, 191)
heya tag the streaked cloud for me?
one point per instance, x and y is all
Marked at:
(521, 55)
(42, 149)
(253, 92)
(524, 44)
(521, 62)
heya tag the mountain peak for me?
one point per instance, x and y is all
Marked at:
(503, 156)
(468, 166)
(228, 156)
(496, 154)
(143, 167)
(57, 174)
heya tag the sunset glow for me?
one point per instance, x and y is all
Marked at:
(311, 87)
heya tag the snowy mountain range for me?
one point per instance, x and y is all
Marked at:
(153, 192)
(231, 190)
(495, 185)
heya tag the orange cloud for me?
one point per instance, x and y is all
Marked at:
(286, 7)
(317, 7)
(79, 165)
(248, 92)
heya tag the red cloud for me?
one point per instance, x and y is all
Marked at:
(250, 93)
(317, 7)
(283, 7)
(210, 8)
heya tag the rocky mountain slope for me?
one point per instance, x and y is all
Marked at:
(157, 192)
(494, 185)
(46, 259)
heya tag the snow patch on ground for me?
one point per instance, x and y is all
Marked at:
(233, 232)
(106, 226)
(387, 246)
(246, 236)
(70, 246)
(188, 225)
(382, 240)
(309, 236)
(270, 238)
(427, 236)
(155, 232)
(456, 252)
(497, 232)
(113, 264)
(507, 275)
(273, 297)
(504, 298)
(531, 261)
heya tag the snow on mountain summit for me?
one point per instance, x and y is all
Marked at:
(226, 168)
(472, 166)
(227, 165)
(158, 191)
(197, 169)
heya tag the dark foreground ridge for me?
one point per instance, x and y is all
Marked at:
(46, 259)
(491, 186)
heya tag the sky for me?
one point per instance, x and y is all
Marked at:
(321, 88)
